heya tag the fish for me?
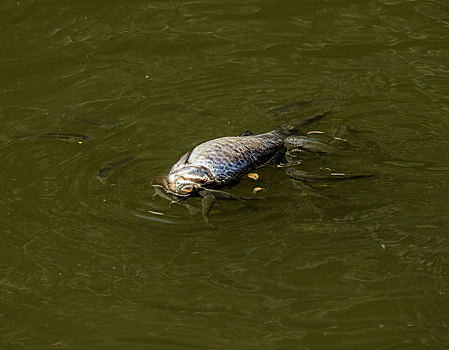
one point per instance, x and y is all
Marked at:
(101, 123)
(309, 144)
(78, 138)
(208, 203)
(303, 176)
(110, 167)
(159, 185)
(223, 161)
(291, 107)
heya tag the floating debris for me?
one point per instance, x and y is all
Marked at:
(152, 218)
(253, 176)
(257, 189)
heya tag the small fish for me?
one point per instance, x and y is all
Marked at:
(78, 138)
(309, 144)
(110, 167)
(297, 105)
(289, 107)
(208, 203)
(159, 185)
(310, 191)
(303, 176)
(101, 123)
(152, 218)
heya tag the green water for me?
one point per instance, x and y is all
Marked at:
(90, 264)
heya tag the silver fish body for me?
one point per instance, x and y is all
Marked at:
(225, 160)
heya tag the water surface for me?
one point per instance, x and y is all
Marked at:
(89, 263)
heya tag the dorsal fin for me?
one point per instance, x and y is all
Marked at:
(246, 133)
(183, 160)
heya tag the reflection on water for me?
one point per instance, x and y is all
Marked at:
(105, 264)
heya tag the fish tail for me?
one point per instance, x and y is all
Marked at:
(295, 125)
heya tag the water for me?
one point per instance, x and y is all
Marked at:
(90, 264)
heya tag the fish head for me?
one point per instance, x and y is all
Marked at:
(294, 141)
(188, 180)
(184, 182)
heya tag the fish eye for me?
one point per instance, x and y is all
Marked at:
(187, 188)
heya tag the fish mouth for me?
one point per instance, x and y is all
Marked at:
(161, 181)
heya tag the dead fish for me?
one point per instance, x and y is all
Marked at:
(159, 185)
(223, 161)
(112, 166)
(78, 138)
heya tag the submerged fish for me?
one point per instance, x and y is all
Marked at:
(110, 167)
(289, 107)
(78, 138)
(297, 105)
(303, 176)
(208, 203)
(101, 123)
(309, 144)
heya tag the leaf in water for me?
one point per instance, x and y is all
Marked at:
(253, 176)
(257, 189)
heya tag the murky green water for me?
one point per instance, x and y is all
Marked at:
(90, 264)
